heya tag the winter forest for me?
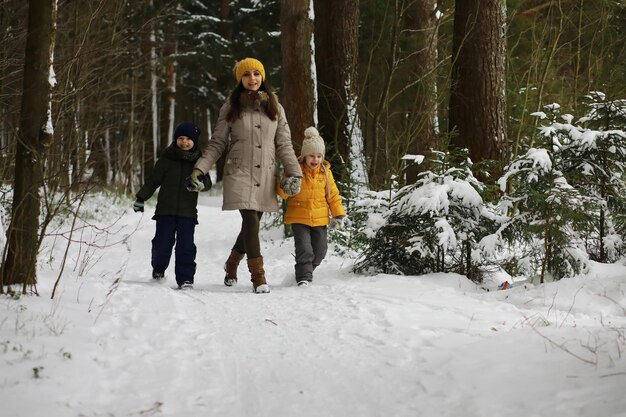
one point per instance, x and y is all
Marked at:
(479, 149)
(466, 136)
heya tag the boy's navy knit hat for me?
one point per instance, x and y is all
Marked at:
(187, 129)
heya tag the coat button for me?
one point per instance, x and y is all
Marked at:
(258, 185)
(258, 126)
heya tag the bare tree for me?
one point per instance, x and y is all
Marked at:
(13, 15)
(298, 93)
(20, 260)
(477, 100)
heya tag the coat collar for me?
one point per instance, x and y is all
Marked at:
(253, 99)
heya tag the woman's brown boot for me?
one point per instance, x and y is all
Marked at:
(231, 267)
(255, 266)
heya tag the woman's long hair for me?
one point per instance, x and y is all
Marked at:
(271, 109)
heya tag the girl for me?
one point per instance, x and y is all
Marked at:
(307, 211)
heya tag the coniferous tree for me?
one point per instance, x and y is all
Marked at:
(432, 225)
(422, 22)
(336, 56)
(298, 93)
(547, 214)
(592, 152)
(477, 119)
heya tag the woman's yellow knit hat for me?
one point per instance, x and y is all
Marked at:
(248, 64)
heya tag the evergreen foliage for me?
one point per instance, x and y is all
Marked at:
(210, 45)
(562, 203)
(431, 225)
(594, 155)
(545, 215)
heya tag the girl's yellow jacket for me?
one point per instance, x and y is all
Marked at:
(317, 196)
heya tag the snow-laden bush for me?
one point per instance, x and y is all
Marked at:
(591, 153)
(565, 197)
(544, 216)
(368, 214)
(561, 203)
(598, 165)
(429, 226)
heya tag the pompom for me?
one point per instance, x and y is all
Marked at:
(311, 132)
(312, 143)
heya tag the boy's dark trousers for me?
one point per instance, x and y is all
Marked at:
(179, 230)
(311, 246)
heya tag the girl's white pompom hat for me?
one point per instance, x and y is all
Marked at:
(312, 143)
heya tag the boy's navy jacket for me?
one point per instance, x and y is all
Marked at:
(170, 173)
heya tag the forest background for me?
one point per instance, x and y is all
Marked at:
(381, 80)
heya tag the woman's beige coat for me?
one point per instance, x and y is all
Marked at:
(253, 143)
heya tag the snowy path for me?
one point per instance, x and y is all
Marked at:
(346, 346)
(295, 352)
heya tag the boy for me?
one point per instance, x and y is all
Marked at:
(307, 211)
(176, 214)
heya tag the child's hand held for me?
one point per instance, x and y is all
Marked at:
(291, 185)
(195, 182)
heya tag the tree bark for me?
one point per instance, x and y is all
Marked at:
(298, 93)
(336, 54)
(19, 266)
(148, 125)
(169, 94)
(227, 32)
(477, 100)
(421, 19)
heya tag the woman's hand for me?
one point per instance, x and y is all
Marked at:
(195, 182)
(291, 185)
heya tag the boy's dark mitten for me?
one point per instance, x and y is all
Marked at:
(138, 205)
(207, 182)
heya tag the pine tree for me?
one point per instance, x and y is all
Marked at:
(432, 225)
(593, 154)
(547, 213)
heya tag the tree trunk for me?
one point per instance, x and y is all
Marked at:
(421, 19)
(298, 93)
(477, 99)
(19, 266)
(148, 123)
(169, 94)
(336, 53)
(227, 32)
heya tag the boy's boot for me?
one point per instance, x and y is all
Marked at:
(231, 267)
(255, 266)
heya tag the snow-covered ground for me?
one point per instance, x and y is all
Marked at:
(115, 343)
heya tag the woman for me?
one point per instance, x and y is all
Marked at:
(253, 130)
